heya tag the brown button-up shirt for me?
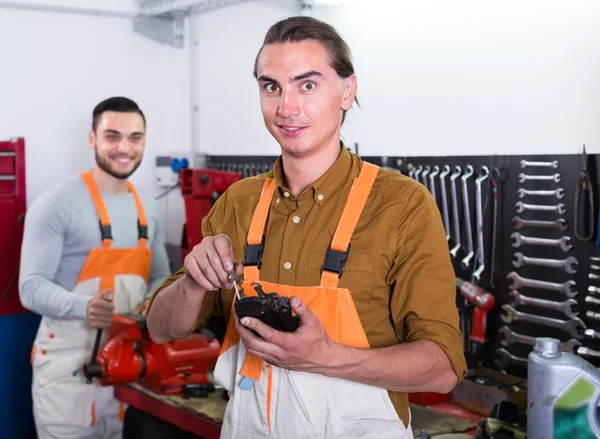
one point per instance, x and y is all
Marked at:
(398, 270)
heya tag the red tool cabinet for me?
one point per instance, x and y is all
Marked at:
(13, 204)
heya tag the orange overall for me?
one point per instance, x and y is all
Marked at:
(61, 396)
(267, 401)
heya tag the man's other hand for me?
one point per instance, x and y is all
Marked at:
(140, 310)
(101, 310)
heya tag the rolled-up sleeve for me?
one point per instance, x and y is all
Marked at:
(423, 303)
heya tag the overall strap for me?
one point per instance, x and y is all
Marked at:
(105, 229)
(340, 245)
(255, 245)
(142, 220)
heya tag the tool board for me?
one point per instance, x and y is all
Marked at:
(508, 185)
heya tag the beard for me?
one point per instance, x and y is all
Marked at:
(104, 164)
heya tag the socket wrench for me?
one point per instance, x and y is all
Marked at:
(568, 307)
(522, 207)
(504, 360)
(566, 288)
(562, 243)
(445, 211)
(525, 177)
(574, 327)
(432, 175)
(511, 337)
(455, 213)
(568, 264)
(484, 174)
(552, 164)
(558, 193)
(466, 262)
(559, 224)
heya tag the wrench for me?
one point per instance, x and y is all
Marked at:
(565, 288)
(592, 315)
(445, 212)
(594, 290)
(418, 172)
(566, 264)
(432, 175)
(587, 352)
(590, 333)
(558, 193)
(521, 207)
(520, 223)
(484, 174)
(424, 175)
(505, 360)
(553, 164)
(411, 171)
(467, 210)
(455, 213)
(592, 300)
(511, 337)
(574, 327)
(568, 307)
(562, 243)
(524, 177)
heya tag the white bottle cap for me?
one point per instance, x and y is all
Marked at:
(547, 347)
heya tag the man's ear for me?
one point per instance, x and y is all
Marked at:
(92, 139)
(350, 87)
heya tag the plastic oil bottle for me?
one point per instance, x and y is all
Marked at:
(563, 394)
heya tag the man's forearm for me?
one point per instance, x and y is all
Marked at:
(419, 366)
(46, 298)
(174, 310)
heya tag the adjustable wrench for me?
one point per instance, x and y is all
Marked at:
(568, 307)
(567, 264)
(574, 327)
(558, 193)
(524, 177)
(522, 207)
(424, 175)
(559, 224)
(445, 212)
(562, 243)
(511, 337)
(565, 288)
(553, 164)
(467, 210)
(484, 174)
(504, 360)
(418, 172)
(455, 213)
(432, 175)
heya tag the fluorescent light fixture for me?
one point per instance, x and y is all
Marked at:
(329, 2)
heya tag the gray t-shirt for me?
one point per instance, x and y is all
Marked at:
(61, 227)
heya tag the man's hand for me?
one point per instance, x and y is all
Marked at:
(210, 262)
(101, 310)
(308, 349)
(141, 308)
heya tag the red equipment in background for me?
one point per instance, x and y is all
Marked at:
(200, 188)
(12, 217)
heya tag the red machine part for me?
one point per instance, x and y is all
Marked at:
(483, 302)
(129, 355)
(200, 188)
(12, 215)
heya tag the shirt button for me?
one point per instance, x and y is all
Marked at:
(286, 194)
(287, 265)
(296, 219)
(320, 197)
(278, 200)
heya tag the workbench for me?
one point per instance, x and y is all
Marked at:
(203, 416)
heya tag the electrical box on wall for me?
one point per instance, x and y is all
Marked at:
(165, 176)
(169, 167)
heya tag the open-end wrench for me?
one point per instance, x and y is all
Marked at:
(552, 164)
(522, 207)
(484, 174)
(455, 213)
(592, 334)
(418, 172)
(524, 177)
(592, 300)
(562, 243)
(593, 315)
(504, 360)
(594, 290)
(434, 173)
(568, 307)
(559, 224)
(467, 214)
(566, 288)
(567, 264)
(424, 176)
(445, 211)
(574, 327)
(511, 337)
(558, 193)
(411, 171)
(587, 352)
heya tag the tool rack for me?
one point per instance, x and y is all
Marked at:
(508, 184)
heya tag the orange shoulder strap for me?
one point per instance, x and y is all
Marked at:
(257, 226)
(142, 220)
(100, 208)
(355, 203)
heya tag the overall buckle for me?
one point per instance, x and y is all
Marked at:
(335, 261)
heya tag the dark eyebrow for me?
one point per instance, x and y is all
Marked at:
(137, 133)
(264, 78)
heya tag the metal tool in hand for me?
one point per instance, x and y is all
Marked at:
(511, 337)
(234, 279)
(434, 173)
(522, 207)
(455, 213)
(567, 307)
(584, 187)
(567, 288)
(526, 177)
(445, 211)
(574, 327)
(520, 240)
(504, 360)
(559, 224)
(552, 164)
(484, 174)
(568, 264)
(558, 193)
(467, 214)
